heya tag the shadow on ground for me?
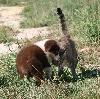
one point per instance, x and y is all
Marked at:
(87, 74)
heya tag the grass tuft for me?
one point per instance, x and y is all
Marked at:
(6, 34)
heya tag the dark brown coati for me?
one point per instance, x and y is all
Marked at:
(32, 60)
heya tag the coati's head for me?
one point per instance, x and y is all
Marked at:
(52, 49)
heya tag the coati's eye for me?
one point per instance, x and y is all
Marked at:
(61, 52)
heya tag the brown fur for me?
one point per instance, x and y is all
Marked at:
(66, 43)
(32, 60)
(51, 46)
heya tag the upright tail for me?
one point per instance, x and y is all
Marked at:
(65, 31)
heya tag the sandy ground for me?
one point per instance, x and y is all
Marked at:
(10, 16)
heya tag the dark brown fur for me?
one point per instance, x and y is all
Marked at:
(66, 43)
(51, 46)
(31, 61)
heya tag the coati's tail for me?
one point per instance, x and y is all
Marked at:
(65, 31)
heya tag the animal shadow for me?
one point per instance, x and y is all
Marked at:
(87, 74)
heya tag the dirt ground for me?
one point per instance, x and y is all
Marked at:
(10, 16)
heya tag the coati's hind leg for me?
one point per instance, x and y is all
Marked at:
(48, 72)
(60, 71)
(73, 71)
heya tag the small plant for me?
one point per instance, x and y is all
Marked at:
(6, 34)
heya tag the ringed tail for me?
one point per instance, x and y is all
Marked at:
(65, 31)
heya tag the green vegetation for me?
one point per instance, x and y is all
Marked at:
(12, 87)
(6, 34)
(82, 16)
(83, 20)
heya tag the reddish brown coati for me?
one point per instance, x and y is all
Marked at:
(32, 60)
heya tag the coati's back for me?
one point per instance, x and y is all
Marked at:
(30, 62)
